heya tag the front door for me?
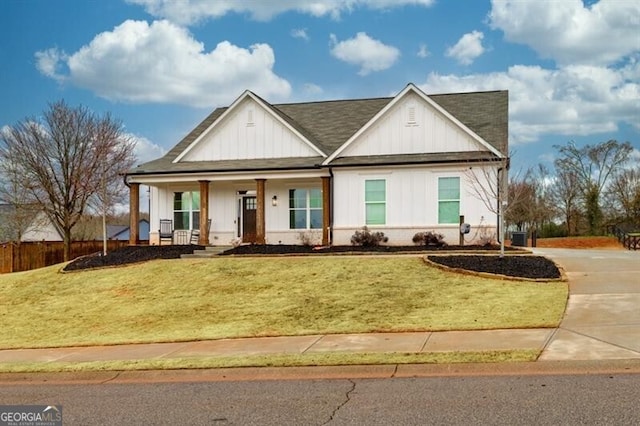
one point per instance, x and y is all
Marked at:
(249, 206)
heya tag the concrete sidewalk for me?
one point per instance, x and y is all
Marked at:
(602, 322)
(456, 341)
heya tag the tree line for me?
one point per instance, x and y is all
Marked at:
(587, 189)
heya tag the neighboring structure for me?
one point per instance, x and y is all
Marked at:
(121, 232)
(283, 173)
(34, 224)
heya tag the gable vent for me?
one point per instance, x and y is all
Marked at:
(411, 116)
(250, 121)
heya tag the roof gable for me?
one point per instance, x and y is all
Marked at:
(396, 129)
(250, 128)
(329, 125)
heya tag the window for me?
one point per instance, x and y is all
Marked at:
(186, 210)
(448, 200)
(305, 209)
(375, 196)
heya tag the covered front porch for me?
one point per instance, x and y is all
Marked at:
(277, 208)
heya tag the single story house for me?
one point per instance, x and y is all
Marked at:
(289, 173)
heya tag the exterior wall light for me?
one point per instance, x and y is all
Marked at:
(274, 200)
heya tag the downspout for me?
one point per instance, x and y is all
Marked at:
(331, 208)
(499, 201)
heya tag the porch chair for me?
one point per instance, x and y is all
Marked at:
(195, 233)
(166, 231)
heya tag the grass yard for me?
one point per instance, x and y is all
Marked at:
(179, 300)
(282, 360)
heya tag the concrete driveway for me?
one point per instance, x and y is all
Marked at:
(602, 320)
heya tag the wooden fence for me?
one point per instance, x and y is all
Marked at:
(32, 255)
(627, 234)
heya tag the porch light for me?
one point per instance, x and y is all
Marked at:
(274, 200)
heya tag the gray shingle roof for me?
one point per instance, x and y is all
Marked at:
(329, 124)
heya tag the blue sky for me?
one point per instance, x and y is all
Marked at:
(572, 68)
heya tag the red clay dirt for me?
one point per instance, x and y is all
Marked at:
(608, 243)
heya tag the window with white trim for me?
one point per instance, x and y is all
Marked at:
(186, 210)
(375, 201)
(305, 208)
(448, 200)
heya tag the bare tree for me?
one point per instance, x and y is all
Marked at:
(544, 211)
(64, 158)
(565, 196)
(593, 166)
(523, 212)
(624, 195)
(18, 210)
(490, 185)
(111, 188)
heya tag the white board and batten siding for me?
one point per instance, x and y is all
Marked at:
(412, 126)
(224, 209)
(411, 204)
(249, 132)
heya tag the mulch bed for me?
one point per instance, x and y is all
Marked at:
(516, 266)
(131, 254)
(275, 249)
(535, 267)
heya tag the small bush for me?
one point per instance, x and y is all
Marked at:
(364, 237)
(486, 237)
(308, 238)
(429, 238)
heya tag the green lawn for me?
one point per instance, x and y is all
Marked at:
(276, 360)
(178, 300)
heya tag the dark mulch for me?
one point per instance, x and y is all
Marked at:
(130, 254)
(513, 266)
(516, 266)
(298, 249)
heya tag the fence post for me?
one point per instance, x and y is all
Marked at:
(14, 258)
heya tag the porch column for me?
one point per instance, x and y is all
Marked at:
(134, 213)
(260, 220)
(326, 209)
(204, 213)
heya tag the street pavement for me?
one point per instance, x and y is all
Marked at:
(602, 322)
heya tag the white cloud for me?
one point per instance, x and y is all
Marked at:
(468, 48)
(192, 11)
(146, 150)
(369, 54)
(312, 89)
(423, 52)
(300, 33)
(569, 31)
(163, 63)
(573, 101)
(48, 63)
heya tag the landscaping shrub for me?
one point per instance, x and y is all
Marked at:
(429, 238)
(364, 237)
(309, 238)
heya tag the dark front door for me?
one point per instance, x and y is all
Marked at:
(249, 205)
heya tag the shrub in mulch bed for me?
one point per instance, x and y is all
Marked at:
(535, 267)
(131, 254)
(296, 249)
